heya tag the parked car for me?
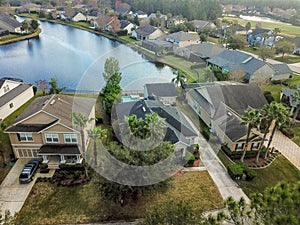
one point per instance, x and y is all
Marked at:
(28, 171)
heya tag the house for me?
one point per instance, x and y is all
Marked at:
(92, 16)
(286, 96)
(220, 105)
(260, 36)
(9, 23)
(79, 17)
(68, 14)
(108, 23)
(13, 94)
(147, 32)
(204, 51)
(202, 24)
(163, 92)
(183, 39)
(127, 25)
(140, 14)
(173, 21)
(178, 130)
(157, 45)
(154, 16)
(282, 71)
(252, 69)
(45, 129)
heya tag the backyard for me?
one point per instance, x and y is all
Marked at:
(85, 204)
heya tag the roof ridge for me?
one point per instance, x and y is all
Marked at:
(47, 101)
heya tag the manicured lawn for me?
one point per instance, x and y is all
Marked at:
(15, 38)
(288, 59)
(285, 29)
(49, 204)
(127, 39)
(280, 170)
(296, 138)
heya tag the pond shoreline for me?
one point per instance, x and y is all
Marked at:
(22, 38)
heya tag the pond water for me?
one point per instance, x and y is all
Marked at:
(262, 19)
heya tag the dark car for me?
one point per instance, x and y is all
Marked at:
(28, 171)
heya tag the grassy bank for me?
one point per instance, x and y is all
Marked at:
(15, 38)
(85, 204)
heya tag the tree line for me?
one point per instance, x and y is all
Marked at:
(202, 9)
(265, 3)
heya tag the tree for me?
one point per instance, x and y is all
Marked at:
(54, 89)
(111, 67)
(136, 21)
(80, 120)
(280, 115)
(250, 119)
(265, 53)
(34, 24)
(97, 133)
(180, 78)
(264, 36)
(284, 47)
(25, 26)
(237, 41)
(6, 218)
(275, 32)
(248, 26)
(239, 212)
(43, 85)
(295, 104)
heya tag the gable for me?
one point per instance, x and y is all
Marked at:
(40, 118)
(59, 128)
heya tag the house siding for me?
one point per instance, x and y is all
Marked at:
(40, 118)
(167, 100)
(262, 75)
(156, 34)
(17, 102)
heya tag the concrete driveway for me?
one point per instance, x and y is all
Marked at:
(13, 194)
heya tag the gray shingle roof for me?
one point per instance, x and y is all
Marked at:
(10, 95)
(200, 23)
(8, 23)
(161, 89)
(145, 30)
(183, 36)
(124, 23)
(281, 68)
(259, 31)
(206, 49)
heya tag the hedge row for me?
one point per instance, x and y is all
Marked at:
(237, 171)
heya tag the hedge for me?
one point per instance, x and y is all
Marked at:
(235, 171)
(71, 167)
(190, 158)
(238, 154)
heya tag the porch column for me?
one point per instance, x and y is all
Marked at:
(45, 159)
(77, 158)
(62, 159)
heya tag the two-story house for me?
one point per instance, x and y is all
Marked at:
(163, 92)
(13, 94)
(183, 39)
(46, 130)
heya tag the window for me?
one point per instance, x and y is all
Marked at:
(51, 138)
(11, 105)
(255, 146)
(239, 146)
(70, 138)
(6, 88)
(25, 137)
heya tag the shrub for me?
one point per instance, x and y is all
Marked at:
(250, 174)
(235, 171)
(190, 158)
(268, 95)
(206, 132)
(71, 167)
(122, 32)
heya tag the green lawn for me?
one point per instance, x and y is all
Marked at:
(288, 59)
(287, 30)
(280, 170)
(15, 38)
(127, 39)
(49, 204)
(296, 138)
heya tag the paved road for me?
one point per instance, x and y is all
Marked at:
(287, 147)
(13, 194)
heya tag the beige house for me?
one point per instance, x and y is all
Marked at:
(45, 130)
(183, 39)
(13, 94)
(220, 105)
(79, 17)
(147, 32)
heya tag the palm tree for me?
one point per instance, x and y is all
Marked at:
(295, 104)
(250, 119)
(80, 120)
(264, 126)
(180, 78)
(265, 36)
(97, 133)
(275, 32)
(280, 115)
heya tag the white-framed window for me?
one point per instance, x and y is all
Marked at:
(25, 137)
(70, 138)
(239, 146)
(6, 88)
(255, 145)
(51, 138)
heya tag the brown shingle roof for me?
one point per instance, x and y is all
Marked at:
(10, 95)
(59, 149)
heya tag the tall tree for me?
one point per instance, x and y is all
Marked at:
(276, 31)
(284, 47)
(248, 26)
(250, 119)
(237, 41)
(265, 53)
(54, 89)
(280, 115)
(80, 120)
(97, 133)
(111, 67)
(180, 78)
(43, 85)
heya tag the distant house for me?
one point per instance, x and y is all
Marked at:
(45, 130)
(202, 24)
(79, 17)
(108, 23)
(9, 23)
(282, 71)
(163, 92)
(204, 51)
(183, 39)
(286, 96)
(68, 14)
(156, 45)
(178, 130)
(92, 16)
(256, 37)
(253, 70)
(140, 14)
(13, 94)
(173, 21)
(220, 105)
(154, 16)
(147, 32)
(127, 25)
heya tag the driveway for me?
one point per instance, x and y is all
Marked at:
(13, 194)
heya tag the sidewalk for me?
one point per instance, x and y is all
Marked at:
(287, 147)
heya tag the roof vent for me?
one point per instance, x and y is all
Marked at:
(229, 113)
(144, 109)
(46, 101)
(247, 60)
(52, 102)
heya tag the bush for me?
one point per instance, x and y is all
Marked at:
(71, 167)
(122, 32)
(250, 174)
(268, 95)
(206, 133)
(235, 171)
(44, 166)
(190, 158)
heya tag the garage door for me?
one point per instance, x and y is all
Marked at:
(27, 153)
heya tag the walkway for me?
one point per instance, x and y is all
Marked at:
(217, 170)
(287, 147)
